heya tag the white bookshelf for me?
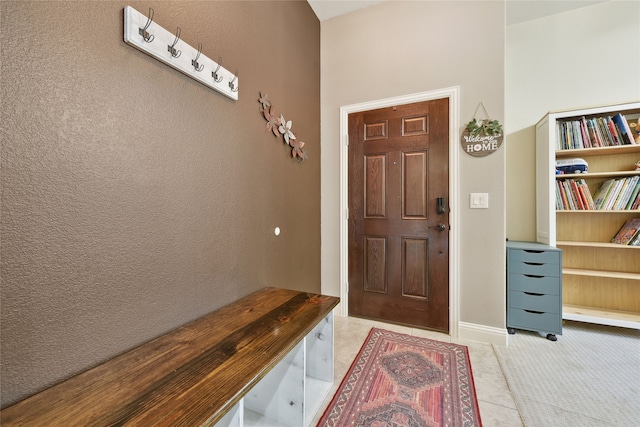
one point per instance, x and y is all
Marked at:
(601, 280)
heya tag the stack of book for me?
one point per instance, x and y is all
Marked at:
(573, 194)
(607, 131)
(613, 194)
(629, 233)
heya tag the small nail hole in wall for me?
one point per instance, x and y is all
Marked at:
(277, 231)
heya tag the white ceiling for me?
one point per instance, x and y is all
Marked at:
(517, 10)
(327, 9)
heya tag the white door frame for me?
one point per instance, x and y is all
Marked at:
(453, 94)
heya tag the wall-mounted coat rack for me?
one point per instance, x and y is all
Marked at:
(142, 33)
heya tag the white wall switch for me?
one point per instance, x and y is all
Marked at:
(479, 200)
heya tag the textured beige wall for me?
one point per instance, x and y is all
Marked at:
(134, 198)
(399, 48)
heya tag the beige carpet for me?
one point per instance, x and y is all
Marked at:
(589, 377)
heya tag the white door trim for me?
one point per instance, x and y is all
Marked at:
(453, 94)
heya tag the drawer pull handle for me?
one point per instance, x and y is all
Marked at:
(531, 251)
(534, 263)
(534, 294)
(534, 276)
(534, 312)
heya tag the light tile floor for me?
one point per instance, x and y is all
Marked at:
(497, 407)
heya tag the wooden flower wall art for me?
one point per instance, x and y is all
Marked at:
(281, 127)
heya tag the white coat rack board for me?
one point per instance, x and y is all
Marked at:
(142, 33)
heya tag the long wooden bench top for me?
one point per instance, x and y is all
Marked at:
(191, 376)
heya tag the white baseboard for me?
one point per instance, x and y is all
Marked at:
(482, 333)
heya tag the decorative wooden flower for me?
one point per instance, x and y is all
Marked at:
(285, 129)
(279, 126)
(296, 150)
(264, 101)
(273, 122)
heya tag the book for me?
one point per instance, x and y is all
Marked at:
(604, 131)
(602, 192)
(623, 200)
(636, 203)
(584, 188)
(572, 194)
(582, 125)
(559, 200)
(634, 126)
(601, 138)
(593, 136)
(634, 196)
(614, 132)
(569, 198)
(627, 232)
(622, 190)
(625, 130)
(613, 195)
(575, 194)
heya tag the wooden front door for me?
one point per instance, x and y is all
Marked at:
(398, 230)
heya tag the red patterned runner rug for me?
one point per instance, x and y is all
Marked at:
(399, 380)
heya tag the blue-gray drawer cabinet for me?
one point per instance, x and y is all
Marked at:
(534, 288)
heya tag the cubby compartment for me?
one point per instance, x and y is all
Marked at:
(292, 392)
(278, 399)
(233, 418)
(319, 366)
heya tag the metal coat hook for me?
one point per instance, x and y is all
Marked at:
(214, 74)
(172, 47)
(232, 83)
(194, 62)
(168, 47)
(143, 31)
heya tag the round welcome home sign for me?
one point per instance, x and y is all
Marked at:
(481, 138)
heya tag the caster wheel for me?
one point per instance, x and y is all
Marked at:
(552, 337)
(511, 331)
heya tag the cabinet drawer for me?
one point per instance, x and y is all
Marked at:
(536, 269)
(543, 257)
(535, 302)
(536, 284)
(535, 321)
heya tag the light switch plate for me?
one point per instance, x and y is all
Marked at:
(479, 200)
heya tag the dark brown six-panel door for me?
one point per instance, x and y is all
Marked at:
(399, 214)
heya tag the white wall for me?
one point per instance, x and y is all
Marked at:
(579, 58)
(400, 48)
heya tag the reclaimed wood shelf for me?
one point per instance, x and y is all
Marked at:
(202, 372)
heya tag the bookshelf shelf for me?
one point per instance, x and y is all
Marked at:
(600, 273)
(597, 211)
(596, 245)
(618, 174)
(601, 280)
(593, 315)
(599, 151)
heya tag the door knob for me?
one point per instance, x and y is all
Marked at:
(441, 227)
